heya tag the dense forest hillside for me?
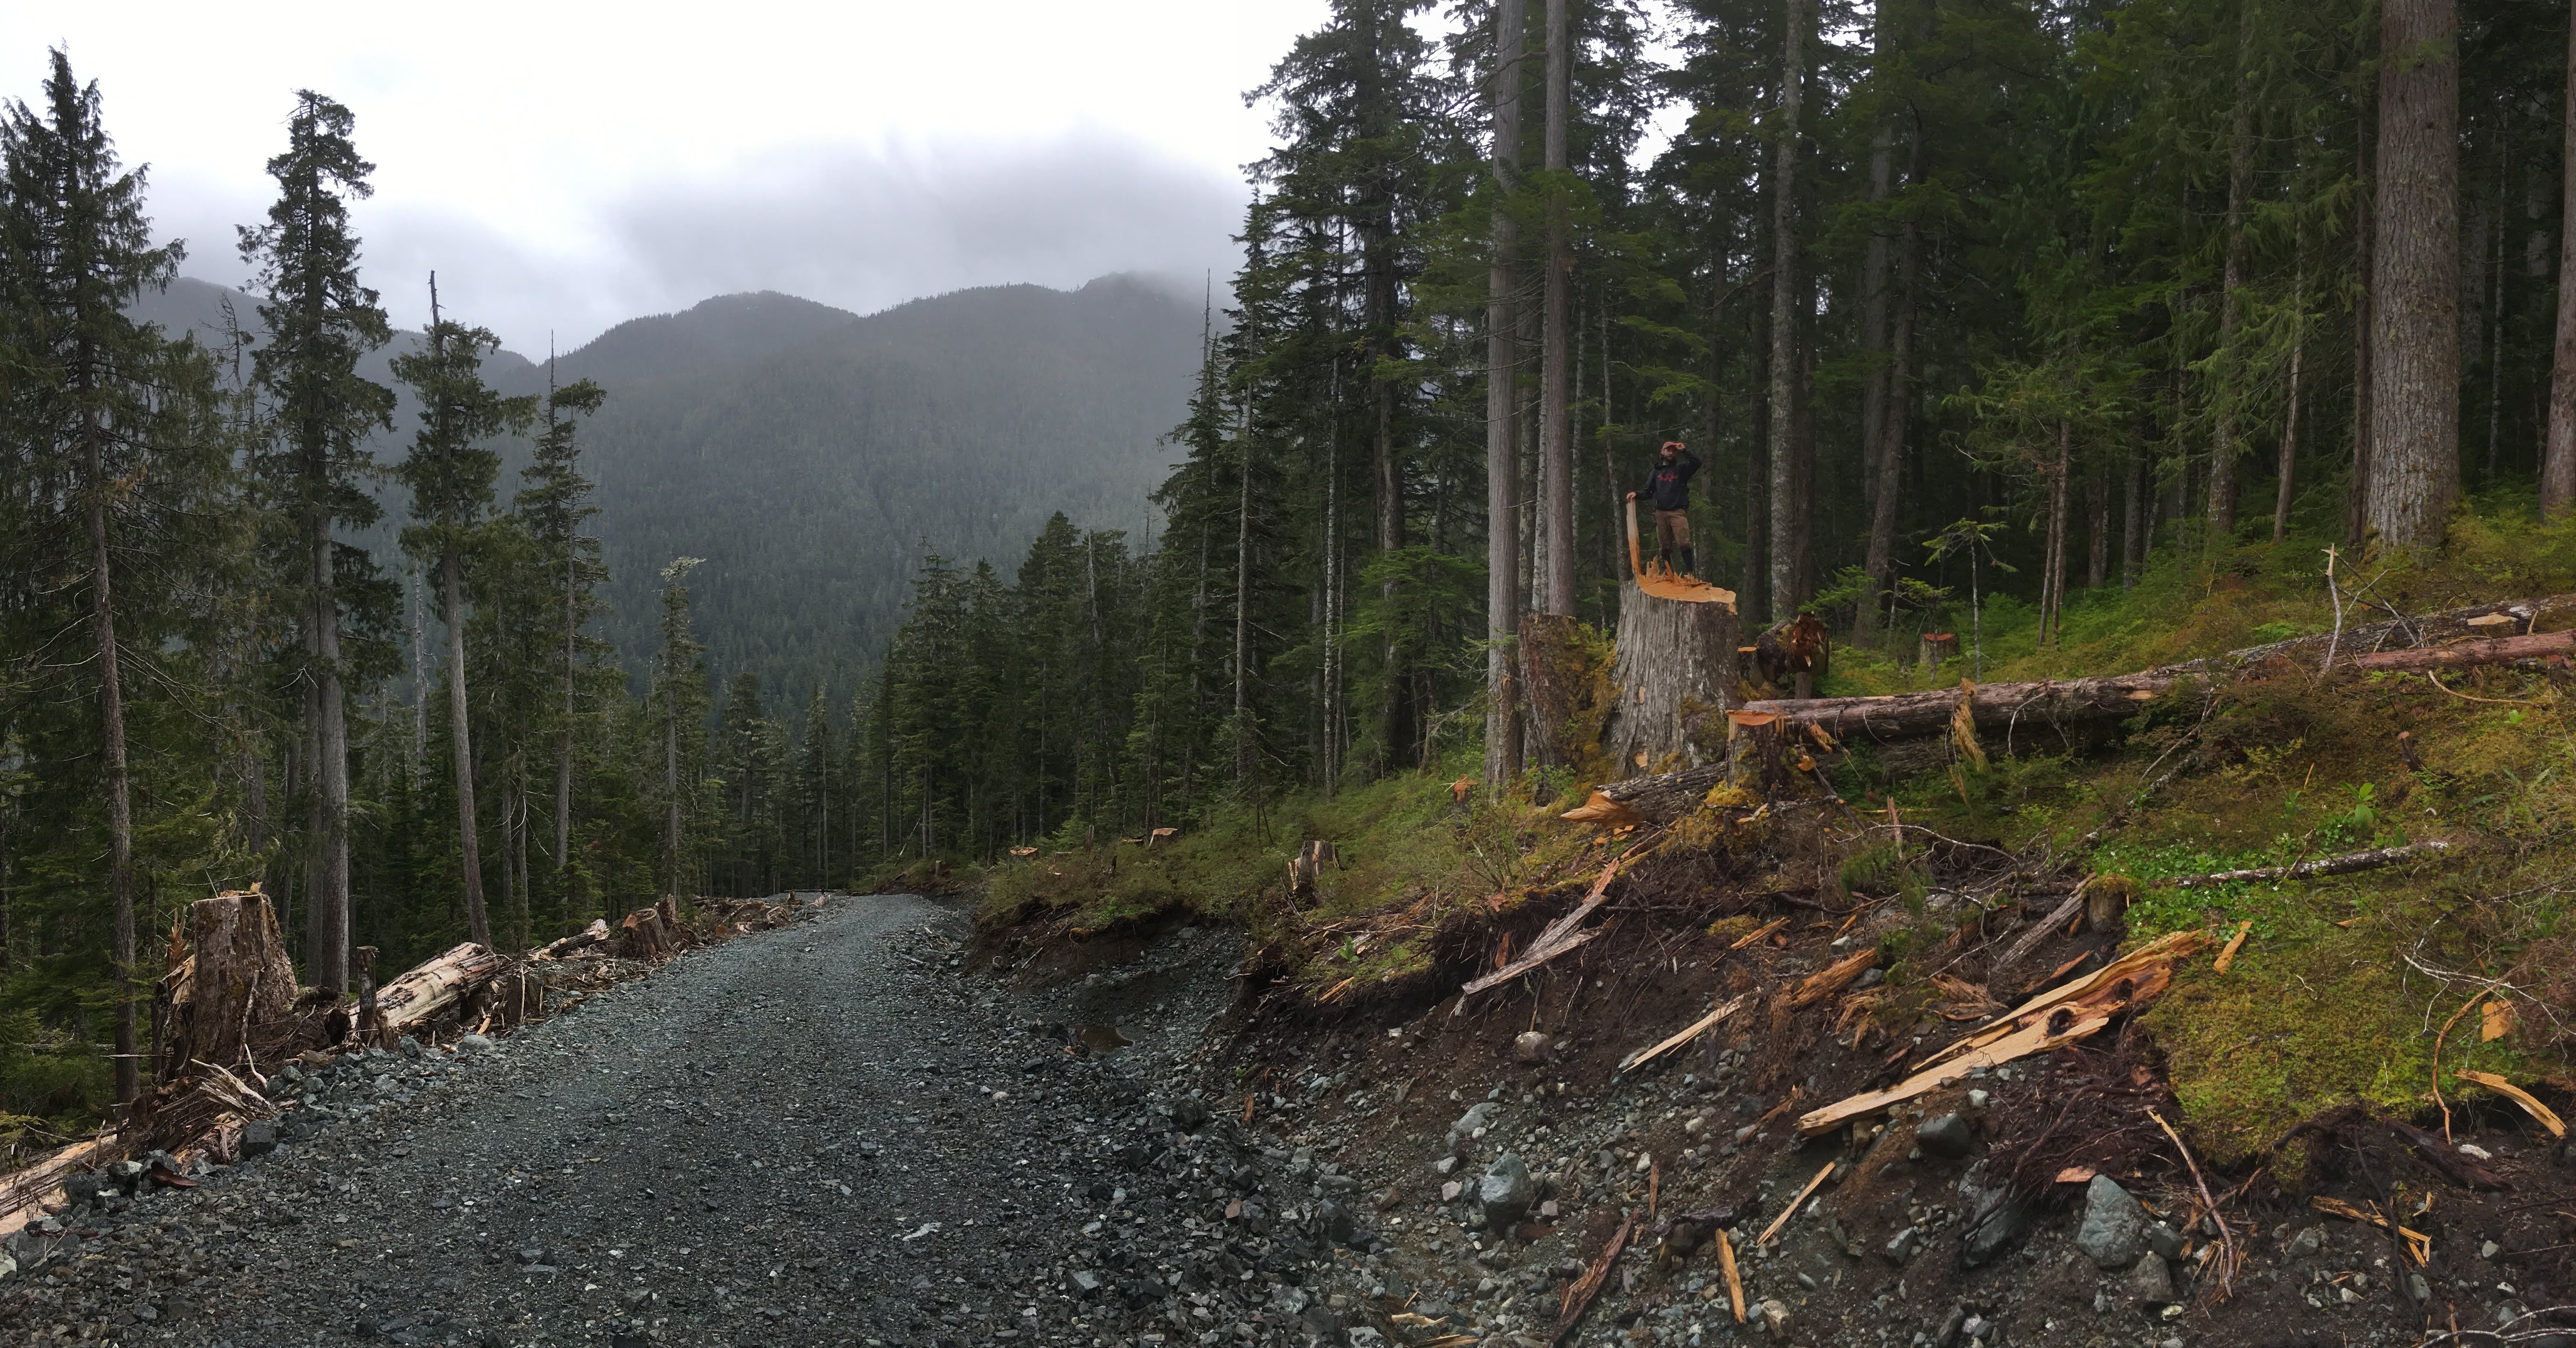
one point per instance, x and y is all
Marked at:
(810, 455)
(813, 478)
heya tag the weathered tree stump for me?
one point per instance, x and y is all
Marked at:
(1306, 869)
(1764, 752)
(1553, 669)
(1676, 656)
(1937, 647)
(233, 975)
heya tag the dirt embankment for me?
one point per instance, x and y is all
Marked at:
(1970, 1214)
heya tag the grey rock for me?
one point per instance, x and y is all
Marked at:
(259, 1138)
(411, 1047)
(80, 1187)
(472, 1043)
(2164, 1240)
(1444, 1165)
(1477, 1116)
(1364, 1337)
(1506, 1192)
(1946, 1135)
(2150, 1283)
(1189, 1114)
(1085, 1282)
(1947, 1336)
(2113, 1233)
(1334, 1221)
(1903, 1246)
(2418, 1290)
(1775, 1316)
(2307, 1242)
(1530, 1046)
(1994, 1233)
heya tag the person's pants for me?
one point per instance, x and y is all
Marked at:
(1672, 533)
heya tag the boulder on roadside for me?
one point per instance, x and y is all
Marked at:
(1506, 1192)
(2113, 1232)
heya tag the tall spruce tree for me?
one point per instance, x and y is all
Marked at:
(451, 471)
(75, 251)
(320, 322)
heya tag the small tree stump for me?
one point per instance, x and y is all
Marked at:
(1675, 656)
(1935, 648)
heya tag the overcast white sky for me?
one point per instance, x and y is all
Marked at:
(566, 166)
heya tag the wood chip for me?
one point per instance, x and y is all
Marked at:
(1579, 1293)
(1734, 1280)
(2060, 1016)
(1794, 1204)
(2076, 1174)
(2530, 1104)
(1759, 933)
(1697, 1028)
(1834, 978)
(2499, 1020)
(2234, 943)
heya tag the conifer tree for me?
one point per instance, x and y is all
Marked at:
(451, 471)
(75, 251)
(320, 322)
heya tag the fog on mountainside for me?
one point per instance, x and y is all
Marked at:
(810, 455)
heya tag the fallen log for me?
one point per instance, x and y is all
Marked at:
(1996, 706)
(2451, 640)
(2442, 1156)
(411, 1000)
(23, 1189)
(2458, 654)
(1664, 796)
(2309, 870)
(587, 937)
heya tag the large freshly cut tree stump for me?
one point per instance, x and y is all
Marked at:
(1676, 656)
(233, 975)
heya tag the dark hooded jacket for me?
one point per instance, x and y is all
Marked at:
(1668, 484)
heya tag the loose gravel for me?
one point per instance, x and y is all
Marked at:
(825, 1134)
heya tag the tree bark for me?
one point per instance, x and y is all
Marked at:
(120, 801)
(2052, 598)
(2415, 352)
(1878, 560)
(1785, 522)
(451, 578)
(329, 901)
(1502, 407)
(2097, 499)
(2137, 515)
(1674, 658)
(1873, 320)
(2231, 306)
(1552, 669)
(410, 1001)
(563, 745)
(2288, 473)
(2558, 457)
(2364, 217)
(1556, 442)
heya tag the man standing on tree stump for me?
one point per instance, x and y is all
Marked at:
(1668, 486)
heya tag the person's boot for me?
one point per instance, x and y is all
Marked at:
(1690, 562)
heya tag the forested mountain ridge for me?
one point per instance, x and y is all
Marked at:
(810, 454)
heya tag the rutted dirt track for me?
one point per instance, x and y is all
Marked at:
(816, 1135)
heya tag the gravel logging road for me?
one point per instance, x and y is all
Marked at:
(822, 1134)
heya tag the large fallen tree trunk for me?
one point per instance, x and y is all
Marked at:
(410, 1000)
(2012, 707)
(1996, 706)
